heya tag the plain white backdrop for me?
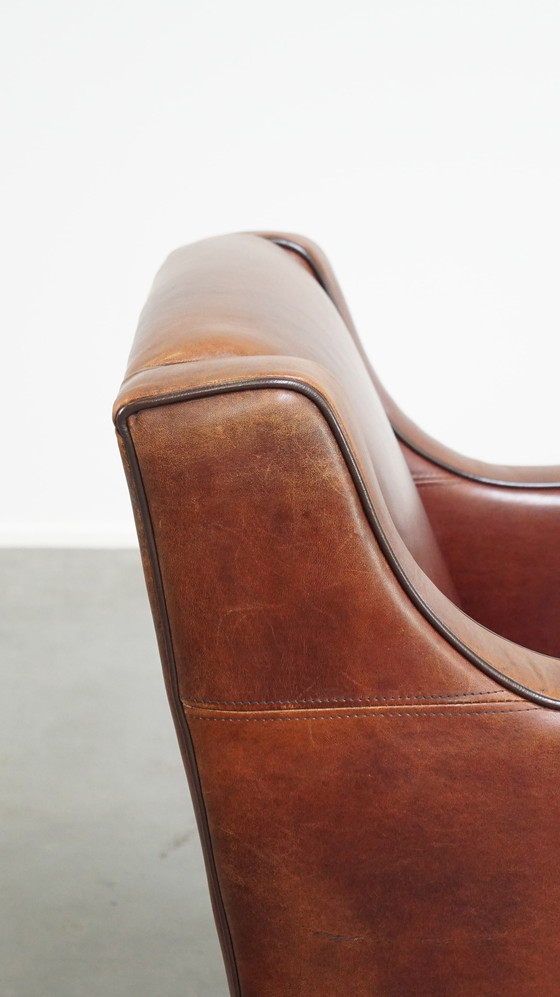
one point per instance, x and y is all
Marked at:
(418, 142)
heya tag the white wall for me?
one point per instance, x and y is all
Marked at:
(418, 142)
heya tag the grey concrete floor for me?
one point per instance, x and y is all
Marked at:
(102, 889)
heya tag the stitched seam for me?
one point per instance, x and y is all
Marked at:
(342, 699)
(424, 483)
(364, 716)
(431, 477)
(171, 363)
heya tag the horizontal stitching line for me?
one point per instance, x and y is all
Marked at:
(169, 363)
(341, 699)
(432, 477)
(422, 482)
(362, 716)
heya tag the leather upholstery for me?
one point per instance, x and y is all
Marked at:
(498, 526)
(502, 546)
(361, 753)
(243, 297)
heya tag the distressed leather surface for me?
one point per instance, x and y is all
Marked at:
(379, 815)
(243, 296)
(388, 853)
(275, 589)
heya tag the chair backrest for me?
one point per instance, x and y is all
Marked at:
(244, 296)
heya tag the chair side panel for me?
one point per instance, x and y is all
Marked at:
(274, 586)
(342, 755)
(388, 853)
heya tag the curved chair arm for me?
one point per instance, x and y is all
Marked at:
(375, 774)
(257, 336)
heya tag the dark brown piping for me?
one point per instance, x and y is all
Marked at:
(183, 731)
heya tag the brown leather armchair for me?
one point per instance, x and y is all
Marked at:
(358, 630)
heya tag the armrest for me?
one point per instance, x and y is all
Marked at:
(374, 774)
(188, 359)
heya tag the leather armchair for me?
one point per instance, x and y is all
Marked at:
(358, 630)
